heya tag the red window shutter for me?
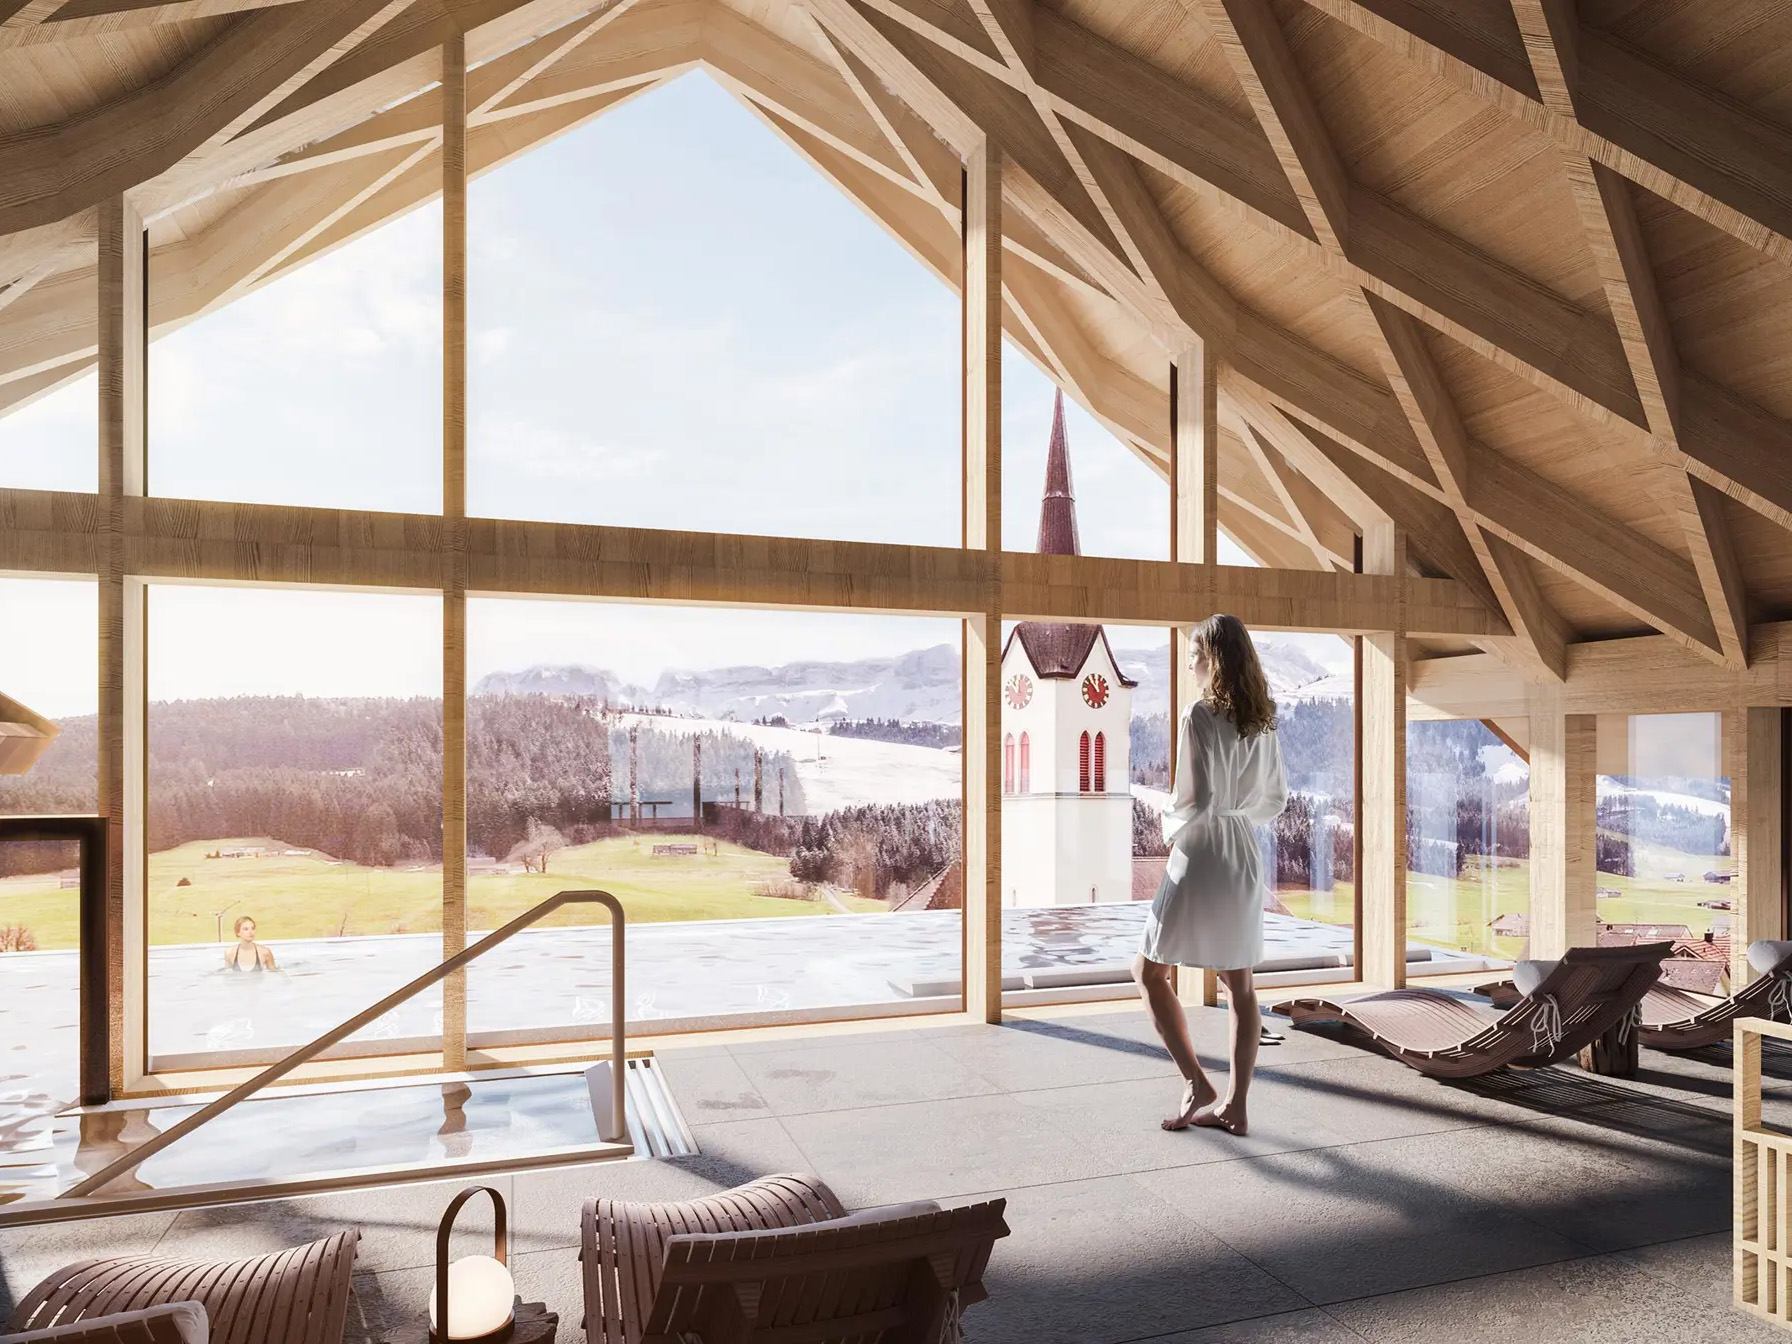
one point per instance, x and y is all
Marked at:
(1008, 763)
(1026, 764)
(1082, 765)
(1101, 762)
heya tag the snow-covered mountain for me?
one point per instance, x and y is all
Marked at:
(921, 685)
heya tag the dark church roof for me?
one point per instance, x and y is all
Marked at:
(1058, 650)
(1057, 512)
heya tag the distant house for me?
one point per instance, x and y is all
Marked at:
(1625, 935)
(1721, 878)
(1513, 924)
(1673, 877)
(1719, 903)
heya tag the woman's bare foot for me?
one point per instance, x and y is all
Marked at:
(1196, 1097)
(1230, 1118)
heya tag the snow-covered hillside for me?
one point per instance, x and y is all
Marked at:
(921, 685)
(837, 772)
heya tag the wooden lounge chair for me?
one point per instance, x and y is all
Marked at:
(174, 1323)
(1677, 1019)
(297, 1296)
(781, 1259)
(1591, 992)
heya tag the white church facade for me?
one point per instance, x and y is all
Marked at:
(1066, 741)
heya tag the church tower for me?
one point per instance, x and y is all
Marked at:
(1066, 739)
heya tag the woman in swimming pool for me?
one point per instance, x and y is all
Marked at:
(247, 954)
(1209, 906)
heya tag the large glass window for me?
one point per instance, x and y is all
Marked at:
(1468, 835)
(49, 662)
(775, 797)
(295, 817)
(49, 394)
(332, 371)
(1664, 856)
(738, 349)
(1121, 502)
(1311, 904)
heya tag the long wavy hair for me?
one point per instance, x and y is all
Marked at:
(1237, 686)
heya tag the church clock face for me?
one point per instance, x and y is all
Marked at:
(1019, 691)
(1095, 690)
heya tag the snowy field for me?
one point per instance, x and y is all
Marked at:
(836, 772)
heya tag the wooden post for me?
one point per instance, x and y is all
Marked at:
(1753, 759)
(1564, 820)
(122, 336)
(454, 552)
(1194, 539)
(1381, 803)
(981, 294)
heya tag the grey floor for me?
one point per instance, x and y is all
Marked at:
(1368, 1203)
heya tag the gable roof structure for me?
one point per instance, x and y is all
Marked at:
(1518, 285)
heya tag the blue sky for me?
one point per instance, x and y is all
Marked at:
(675, 322)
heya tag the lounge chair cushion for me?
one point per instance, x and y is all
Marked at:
(1766, 953)
(187, 1318)
(1527, 975)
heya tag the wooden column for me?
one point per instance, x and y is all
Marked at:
(982, 384)
(454, 551)
(1564, 808)
(123, 472)
(1381, 800)
(1194, 539)
(1753, 759)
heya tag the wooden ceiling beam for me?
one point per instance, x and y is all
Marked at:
(1258, 51)
(53, 532)
(1282, 481)
(1290, 370)
(1615, 238)
(1488, 306)
(1431, 411)
(53, 171)
(77, 19)
(1687, 143)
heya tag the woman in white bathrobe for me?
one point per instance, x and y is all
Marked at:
(1209, 906)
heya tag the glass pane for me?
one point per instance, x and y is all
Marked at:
(295, 823)
(54, 672)
(1665, 866)
(1468, 844)
(775, 798)
(1085, 778)
(738, 349)
(49, 394)
(1309, 929)
(1121, 503)
(334, 374)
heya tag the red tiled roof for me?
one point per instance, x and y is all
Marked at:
(1059, 651)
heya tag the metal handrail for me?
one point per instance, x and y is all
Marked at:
(618, 1123)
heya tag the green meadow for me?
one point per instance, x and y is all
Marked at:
(1455, 913)
(312, 896)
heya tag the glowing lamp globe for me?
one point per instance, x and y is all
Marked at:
(474, 1297)
(480, 1294)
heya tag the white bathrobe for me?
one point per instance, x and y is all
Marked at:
(1209, 906)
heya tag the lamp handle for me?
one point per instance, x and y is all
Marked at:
(500, 1246)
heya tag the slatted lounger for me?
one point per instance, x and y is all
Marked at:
(1590, 992)
(298, 1296)
(1677, 1019)
(780, 1259)
(175, 1323)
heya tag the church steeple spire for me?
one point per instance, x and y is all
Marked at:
(1057, 511)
